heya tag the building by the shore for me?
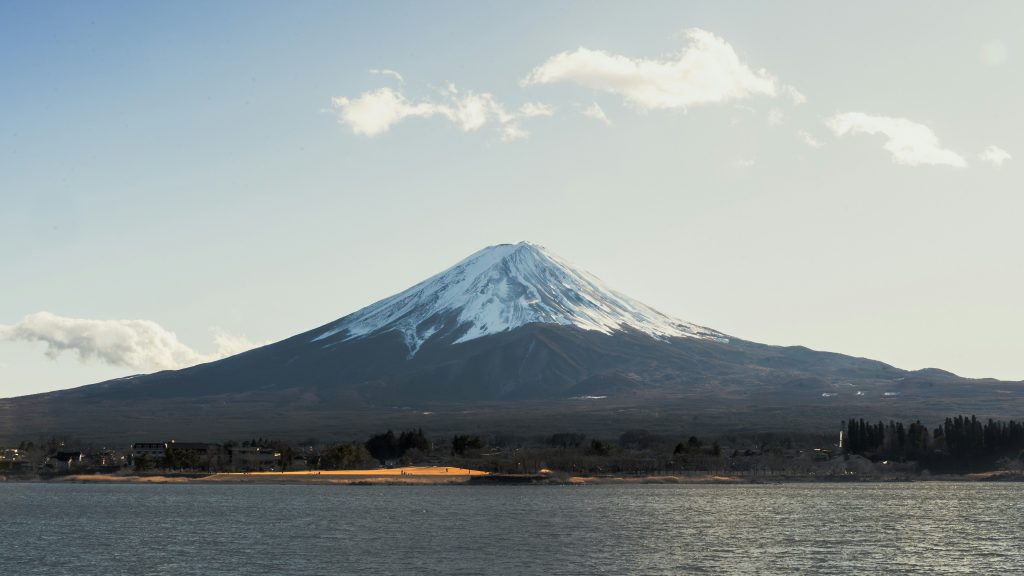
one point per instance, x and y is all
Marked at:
(254, 459)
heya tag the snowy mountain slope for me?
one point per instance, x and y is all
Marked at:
(501, 288)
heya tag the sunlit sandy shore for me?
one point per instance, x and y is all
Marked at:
(407, 471)
(407, 475)
(451, 475)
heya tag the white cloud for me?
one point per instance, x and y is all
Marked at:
(511, 132)
(775, 117)
(808, 139)
(375, 112)
(229, 343)
(597, 113)
(136, 344)
(706, 71)
(910, 143)
(510, 127)
(533, 109)
(471, 111)
(794, 95)
(995, 156)
(744, 163)
(388, 73)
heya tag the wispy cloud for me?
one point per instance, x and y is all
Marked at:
(388, 73)
(794, 95)
(135, 344)
(706, 71)
(597, 113)
(375, 112)
(995, 156)
(909, 143)
(809, 139)
(775, 117)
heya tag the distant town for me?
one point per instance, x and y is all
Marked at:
(857, 450)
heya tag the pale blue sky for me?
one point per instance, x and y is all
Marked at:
(183, 163)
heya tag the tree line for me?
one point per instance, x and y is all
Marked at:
(960, 443)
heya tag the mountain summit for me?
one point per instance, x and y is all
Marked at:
(511, 339)
(501, 288)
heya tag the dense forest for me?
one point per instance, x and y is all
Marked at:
(961, 443)
(862, 449)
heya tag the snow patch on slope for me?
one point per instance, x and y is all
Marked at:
(504, 287)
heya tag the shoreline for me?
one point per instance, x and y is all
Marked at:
(440, 475)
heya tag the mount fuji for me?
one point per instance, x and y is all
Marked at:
(513, 338)
(501, 288)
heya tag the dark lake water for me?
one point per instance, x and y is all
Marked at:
(922, 528)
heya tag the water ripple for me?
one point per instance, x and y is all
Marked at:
(921, 528)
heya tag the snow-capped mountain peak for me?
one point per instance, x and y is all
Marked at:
(504, 287)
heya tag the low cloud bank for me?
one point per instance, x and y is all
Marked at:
(135, 344)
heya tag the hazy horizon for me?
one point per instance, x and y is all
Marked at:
(834, 176)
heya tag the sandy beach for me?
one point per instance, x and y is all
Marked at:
(406, 475)
(390, 476)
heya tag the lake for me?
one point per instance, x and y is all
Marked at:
(196, 529)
